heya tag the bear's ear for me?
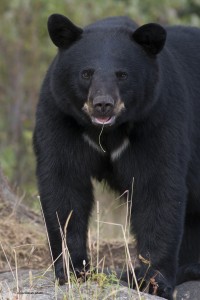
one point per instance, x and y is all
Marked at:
(62, 31)
(151, 37)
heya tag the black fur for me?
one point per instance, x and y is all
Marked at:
(144, 84)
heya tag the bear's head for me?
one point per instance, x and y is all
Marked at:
(107, 73)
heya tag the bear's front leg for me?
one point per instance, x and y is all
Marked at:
(66, 200)
(157, 222)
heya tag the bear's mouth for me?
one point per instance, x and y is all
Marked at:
(103, 120)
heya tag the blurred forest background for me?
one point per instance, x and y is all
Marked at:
(26, 51)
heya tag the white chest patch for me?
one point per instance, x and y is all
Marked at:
(92, 143)
(115, 154)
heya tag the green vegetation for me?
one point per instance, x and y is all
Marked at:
(26, 52)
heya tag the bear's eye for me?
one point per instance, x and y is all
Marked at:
(121, 75)
(87, 74)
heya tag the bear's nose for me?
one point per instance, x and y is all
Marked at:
(103, 104)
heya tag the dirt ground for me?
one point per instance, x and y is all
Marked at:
(23, 245)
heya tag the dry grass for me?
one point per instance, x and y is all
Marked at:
(26, 238)
(87, 275)
(23, 242)
(21, 232)
(29, 240)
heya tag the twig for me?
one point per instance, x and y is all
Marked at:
(7, 261)
(97, 234)
(100, 138)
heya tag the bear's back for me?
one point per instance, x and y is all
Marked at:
(114, 23)
(184, 39)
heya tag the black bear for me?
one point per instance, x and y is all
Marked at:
(140, 88)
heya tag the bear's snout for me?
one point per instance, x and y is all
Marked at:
(103, 105)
